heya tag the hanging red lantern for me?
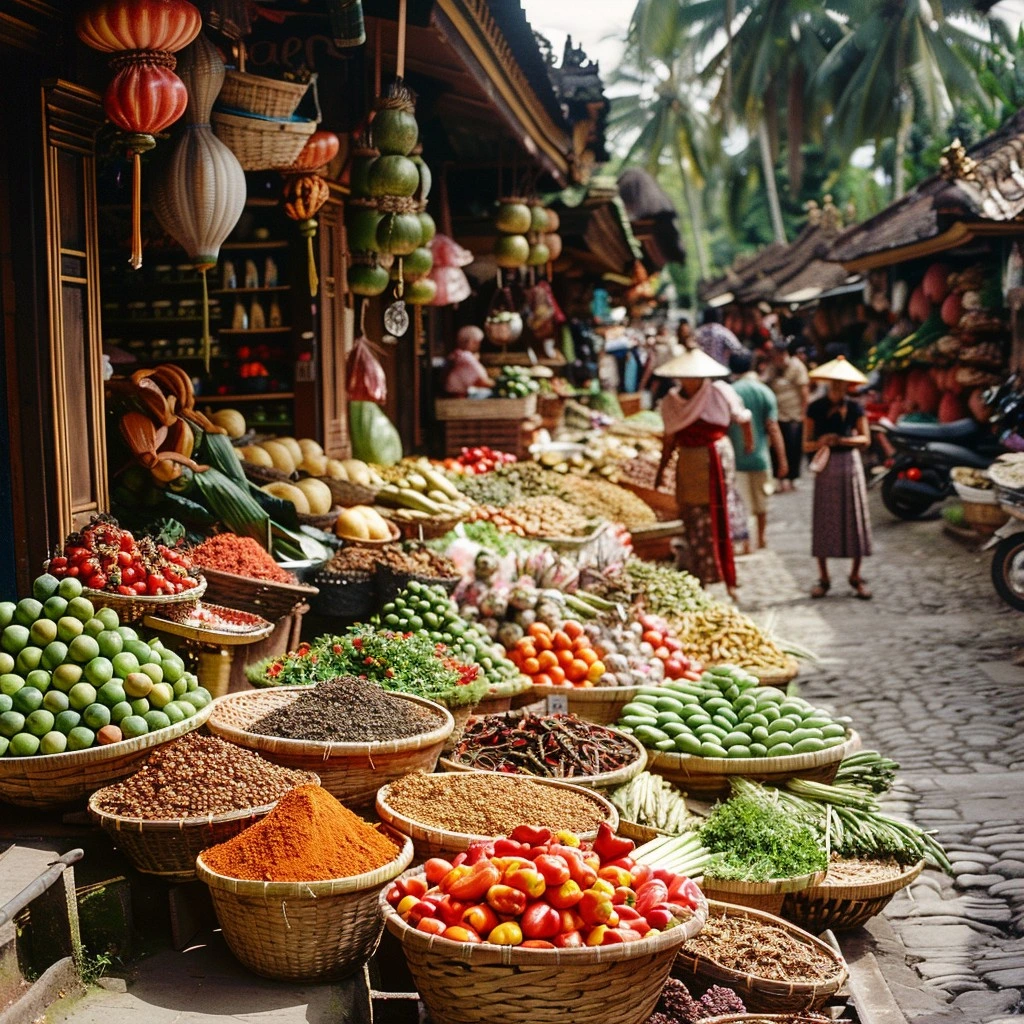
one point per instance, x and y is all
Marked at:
(145, 96)
(320, 149)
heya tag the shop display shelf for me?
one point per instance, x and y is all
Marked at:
(255, 396)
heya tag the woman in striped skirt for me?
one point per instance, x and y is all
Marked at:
(835, 430)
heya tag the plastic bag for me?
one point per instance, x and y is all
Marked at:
(452, 286)
(543, 314)
(365, 380)
(448, 253)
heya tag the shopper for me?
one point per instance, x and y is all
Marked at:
(697, 414)
(835, 431)
(753, 469)
(788, 378)
(661, 349)
(464, 369)
(715, 339)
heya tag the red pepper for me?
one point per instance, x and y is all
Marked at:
(479, 850)
(650, 894)
(554, 869)
(685, 891)
(530, 835)
(617, 876)
(624, 897)
(608, 846)
(631, 934)
(431, 925)
(451, 911)
(596, 907)
(510, 848)
(421, 910)
(569, 940)
(540, 921)
(536, 944)
(473, 886)
(564, 896)
(571, 921)
(659, 917)
(435, 869)
(460, 933)
(481, 919)
(527, 880)
(506, 900)
(641, 873)
(580, 872)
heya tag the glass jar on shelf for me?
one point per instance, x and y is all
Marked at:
(188, 309)
(136, 310)
(162, 309)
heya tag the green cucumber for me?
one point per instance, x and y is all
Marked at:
(759, 733)
(669, 704)
(805, 734)
(769, 711)
(735, 739)
(636, 708)
(758, 750)
(664, 717)
(688, 744)
(648, 735)
(665, 745)
(718, 704)
(738, 750)
(696, 721)
(676, 729)
(780, 750)
(756, 719)
(776, 739)
(634, 721)
(780, 725)
(829, 732)
(710, 732)
(708, 749)
(809, 745)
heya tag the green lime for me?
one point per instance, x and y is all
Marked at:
(68, 627)
(65, 721)
(81, 738)
(191, 681)
(197, 698)
(44, 587)
(94, 627)
(11, 723)
(96, 716)
(125, 664)
(27, 611)
(137, 684)
(54, 654)
(188, 710)
(156, 720)
(7, 610)
(180, 688)
(6, 663)
(65, 676)
(154, 671)
(173, 712)
(14, 638)
(69, 588)
(38, 679)
(39, 723)
(81, 695)
(55, 701)
(111, 693)
(110, 641)
(134, 725)
(24, 745)
(83, 648)
(5, 744)
(173, 666)
(27, 700)
(161, 694)
(120, 711)
(81, 608)
(53, 743)
(99, 671)
(109, 618)
(6, 703)
(55, 608)
(139, 648)
(140, 706)
(127, 633)
(28, 659)
(11, 684)
(43, 632)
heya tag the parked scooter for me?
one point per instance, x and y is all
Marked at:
(1008, 557)
(926, 453)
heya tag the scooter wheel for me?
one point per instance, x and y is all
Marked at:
(899, 505)
(1008, 570)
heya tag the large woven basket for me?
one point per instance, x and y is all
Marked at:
(260, 143)
(169, 848)
(350, 595)
(606, 780)
(844, 907)
(299, 931)
(777, 676)
(256, 94)
(767, 896)
(428, 528)
(709, 776)
(352, 772)
(761, 995)
(261, 597)
(50, 780)
(466, 983)
(135, 607)
(430, 841)
(599, 704)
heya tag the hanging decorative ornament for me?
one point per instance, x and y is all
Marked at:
(200, 193)
(146, 96)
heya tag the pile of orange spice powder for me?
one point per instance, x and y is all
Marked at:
(307, 837)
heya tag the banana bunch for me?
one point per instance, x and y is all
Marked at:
(160, 432)
(421, 492)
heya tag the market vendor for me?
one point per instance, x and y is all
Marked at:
(697, 414)
(464, 369)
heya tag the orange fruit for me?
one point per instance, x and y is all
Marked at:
(531, 666)
(587, 654)
(577, 671)
(543, 642)
(543, 679)
(565, 658)
(596, 671)
(561, 640)
(547, 659)
(557, 674)
(573, 629)
(538, 628)
(527, 649)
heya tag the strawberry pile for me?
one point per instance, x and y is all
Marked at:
(103, 556)
(541, 890)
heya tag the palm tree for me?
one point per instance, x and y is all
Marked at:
(901, 61)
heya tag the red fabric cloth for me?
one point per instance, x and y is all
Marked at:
(704, 435)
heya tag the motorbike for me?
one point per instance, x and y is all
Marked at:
(1008, 557)
(925, 455)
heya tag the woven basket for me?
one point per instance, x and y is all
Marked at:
(169, 848)
(601, 705)
(322, 522)
(261, 597)
(844, 907)
(430, 841)
(51, 780)
(429, 528)
(348, 494)
(390, 582)
(766, 896)
(299, 931)
(461, 715)
(348, 596)
(352, 772)
(467, 983)
(607, 780)
(494, 705)
(256, 94)
(769, 1018)
(261, 144)
(357, 543)
(777, 676)
(136, 607)
(984, 518)
(710, 775)
(761, 995)
(261, 475)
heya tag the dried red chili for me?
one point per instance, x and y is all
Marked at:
(241, 556)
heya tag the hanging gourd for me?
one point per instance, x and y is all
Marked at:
(513, 220)
(145, 96)
(306, 191)
(200, 193)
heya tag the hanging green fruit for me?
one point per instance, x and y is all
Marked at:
(426, 178)
(513, 217)
(538, 219)
(417, 264)
(539, 255)
(511, 251)
(393, 176)
(399, 233)
(361, 224)
(427, 226)
(394, 129)
(554, 244)
(420, 293)
(367, 279)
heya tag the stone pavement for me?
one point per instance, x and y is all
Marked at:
(925, 671)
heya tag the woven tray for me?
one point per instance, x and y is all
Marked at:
(710, 775)
(767, 896)
(778, 676)
(261, 597)
(430, 841)
(322, 522)
(347, 494)
(260, 475)
(599, 704)
(135, 607)
(761, 995)
(607, 780)
(259, 143)
(299, 931)
(51, 780)
(201, 634)
(464, 983)
(169, 848)
(353, 772)
(844, 907)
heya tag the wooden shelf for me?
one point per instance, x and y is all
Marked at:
(166, 321)
(251, 291)
(254, 330)
(242, 246)
(266, 396)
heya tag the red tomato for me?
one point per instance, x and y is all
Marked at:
(652, 637)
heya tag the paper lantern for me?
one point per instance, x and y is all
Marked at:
(200, 193)
(320, 149)
(145, 96)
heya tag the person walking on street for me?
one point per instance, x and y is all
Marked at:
(697, 415)
(753, 469)
(835, 431)
(788, 378)
(714, 338)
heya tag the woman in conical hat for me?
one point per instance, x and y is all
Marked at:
(835, 431)
(697, 414)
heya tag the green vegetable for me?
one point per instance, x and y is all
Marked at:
(652, 801)
(374, 437)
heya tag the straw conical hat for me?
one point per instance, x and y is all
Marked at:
(839, 369)
(692, 363)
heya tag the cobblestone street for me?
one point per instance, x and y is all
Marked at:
(925, 670)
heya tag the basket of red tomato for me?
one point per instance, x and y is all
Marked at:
(134, 576)
(533, 927)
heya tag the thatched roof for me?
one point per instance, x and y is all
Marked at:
(653, 217)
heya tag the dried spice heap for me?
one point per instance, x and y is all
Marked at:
(677, 1006)
(242, 556)
(307, 837)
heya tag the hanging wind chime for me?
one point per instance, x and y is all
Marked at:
(306, 191)
(200, 193)
(145, 97)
